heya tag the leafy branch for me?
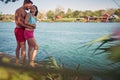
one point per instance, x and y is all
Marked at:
(6, 1)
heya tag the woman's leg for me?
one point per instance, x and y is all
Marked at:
(34, 45)
(30, 50)
(35, 50)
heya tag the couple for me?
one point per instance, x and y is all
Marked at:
(25, 19)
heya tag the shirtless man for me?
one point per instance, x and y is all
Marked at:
(19, 30)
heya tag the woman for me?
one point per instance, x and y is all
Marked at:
(31, 20)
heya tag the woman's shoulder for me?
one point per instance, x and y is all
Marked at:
(19, 10)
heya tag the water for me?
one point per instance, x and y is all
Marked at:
(62, 41)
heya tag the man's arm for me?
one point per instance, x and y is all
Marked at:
(20, 20)
(27, 18)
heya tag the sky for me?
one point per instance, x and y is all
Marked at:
(45, 5)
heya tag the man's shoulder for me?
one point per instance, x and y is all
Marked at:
(19, 9)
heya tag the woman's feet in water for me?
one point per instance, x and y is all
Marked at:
(32, 64)
(18, 62)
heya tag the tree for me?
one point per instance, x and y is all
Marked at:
(110, 11)
(0, 15)
(62, 13)
(99, 13)
(59, 10)
(50, 14)
(6, 1)
(117, 12)
(81, 13)
(41, 15)
(69, 13)
(76, 14)
(88, 13)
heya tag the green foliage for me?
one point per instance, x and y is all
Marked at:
(5, 60)
(6, 18)
(69, 13)
(76, 14)
(46, 20)
(59, 11)
(11, 71)
(65, 20)
(114, 53)
(50, 14)
(117, 12)
(113, 50)
(0, 16)
(80, 14)
(6, 1)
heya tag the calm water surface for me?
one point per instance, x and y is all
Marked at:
(62, 41)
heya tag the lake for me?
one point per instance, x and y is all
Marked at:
(62, 41)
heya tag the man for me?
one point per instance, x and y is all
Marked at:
(19, 30)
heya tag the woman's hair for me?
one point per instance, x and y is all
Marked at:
(36, 13)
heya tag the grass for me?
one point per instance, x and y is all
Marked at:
(12, 71)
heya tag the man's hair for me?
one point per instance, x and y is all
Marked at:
(27, 2)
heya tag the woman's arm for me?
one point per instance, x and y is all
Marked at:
(20, 21)
(27, 20)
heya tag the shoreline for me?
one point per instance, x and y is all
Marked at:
(2, 55)
(7, 66)
(7, 62)
(7, 58)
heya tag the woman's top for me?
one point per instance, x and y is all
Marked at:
(32, 19)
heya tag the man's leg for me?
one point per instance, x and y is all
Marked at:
(17, 53)
(23, 51)
(30, 51)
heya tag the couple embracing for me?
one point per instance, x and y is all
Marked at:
(25, 19)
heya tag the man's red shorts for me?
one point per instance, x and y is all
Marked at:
(19, 34)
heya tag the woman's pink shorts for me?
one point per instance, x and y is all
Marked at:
(28, 34)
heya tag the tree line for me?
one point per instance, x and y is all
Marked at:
(60, 12)
(77, 13)
(69, 14)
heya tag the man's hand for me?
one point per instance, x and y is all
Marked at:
(33, 26)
